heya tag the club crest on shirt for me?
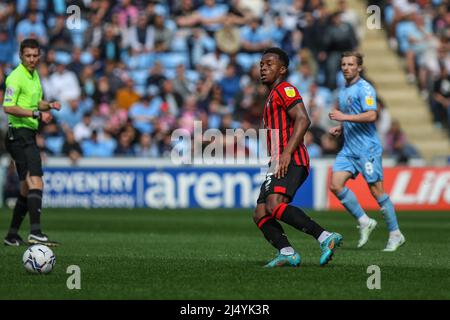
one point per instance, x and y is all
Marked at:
(290, 92)
(369, 101)
(349, 101)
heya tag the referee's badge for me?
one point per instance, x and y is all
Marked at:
(9, 92)
(290, 92)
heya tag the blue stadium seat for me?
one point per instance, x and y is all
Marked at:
(247, 60)
(170, 60)
(179, 43)
(192, 75)
(170, 73)
(63, 57)
(78, 33)
(55, 144)
(86, 58)
(140, 89)
(139, 76)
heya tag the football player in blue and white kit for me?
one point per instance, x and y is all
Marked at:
(361, 152)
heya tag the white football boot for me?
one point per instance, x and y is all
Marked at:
(365, 232)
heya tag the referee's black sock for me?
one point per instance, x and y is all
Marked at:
(273, 232)
(19, 213)
(297, 218)
(34, 207)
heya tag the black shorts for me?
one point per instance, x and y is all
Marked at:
(287, 186)
(21, 145)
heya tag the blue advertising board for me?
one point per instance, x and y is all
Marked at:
(151, 187)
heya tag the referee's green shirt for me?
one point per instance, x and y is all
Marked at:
(23, 89)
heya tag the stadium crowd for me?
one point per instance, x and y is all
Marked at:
(419, 31)
(129, 72)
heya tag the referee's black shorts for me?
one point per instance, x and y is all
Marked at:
(21, 145)
(287, 186)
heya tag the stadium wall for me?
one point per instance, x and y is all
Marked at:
(150, 183)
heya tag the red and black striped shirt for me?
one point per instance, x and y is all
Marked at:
(282, 98)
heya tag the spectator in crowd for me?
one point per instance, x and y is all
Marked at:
(110, 44)
(156, 77)
(181, 84)
(70, 114)
(95, 147)
(140, 37)
(339, 37)
(71, 148)
(59, 36)
(127, 13)
(216, 62)
(7, 36)
(211, 15)
(75, 65)
(254, 39)
(146, 148)
(228, 38)
(441, 99)
(64, 84)
(163, 35)
(124, 145)
(127, 95)
(83, 129)
(397, 145)
(198, 60)
(32, 28)
(171, 100)
(144, 113)
(230, 85)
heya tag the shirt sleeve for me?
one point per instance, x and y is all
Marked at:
(289, 96)
(368, 98)
(12, 92)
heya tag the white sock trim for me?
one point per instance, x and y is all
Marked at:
(395, 233)
(287, 251)
(364, 220)
(323, 236)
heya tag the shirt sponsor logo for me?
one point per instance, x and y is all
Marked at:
(290, 92)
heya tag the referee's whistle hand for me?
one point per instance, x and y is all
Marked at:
(46, 117)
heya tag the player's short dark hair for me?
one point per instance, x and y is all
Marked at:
(359, 56)
(29, 43)
(284, 58)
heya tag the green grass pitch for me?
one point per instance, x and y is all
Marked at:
(219, 254)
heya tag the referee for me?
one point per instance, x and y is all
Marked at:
(25, 108)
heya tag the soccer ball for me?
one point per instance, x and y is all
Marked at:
(39, 259)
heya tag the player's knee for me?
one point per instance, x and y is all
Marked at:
(258, 213)
(271, 205)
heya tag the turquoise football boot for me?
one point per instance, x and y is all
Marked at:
(329, 246)
(282, 260)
